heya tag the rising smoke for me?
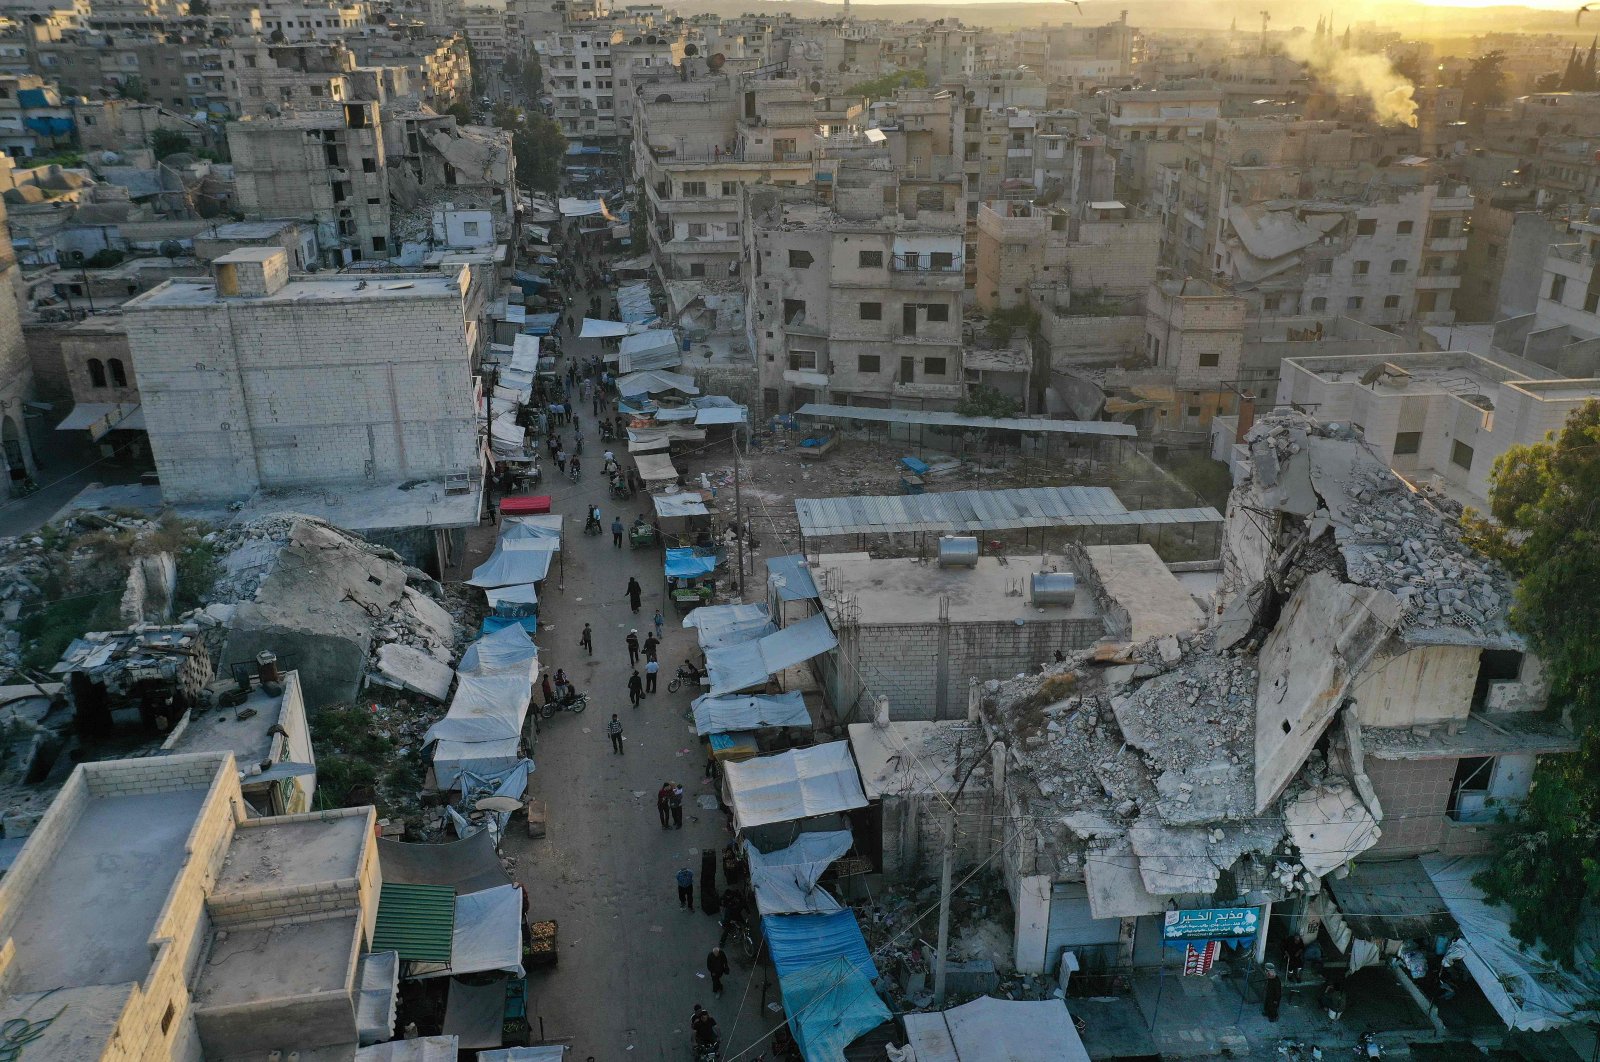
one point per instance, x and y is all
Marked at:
(1356, 73)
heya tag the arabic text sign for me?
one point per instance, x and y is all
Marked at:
(1214, 923)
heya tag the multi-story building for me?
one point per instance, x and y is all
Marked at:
(857, 303)
(484, 22)
(439, 71)
(235, 371)
(1147, 129)
(291, 22)
(187, 74)
(697, 144)
(326, 166)
(639, 59)
(273, 78)
(578, 73)
(1103, 252)
(16, 370)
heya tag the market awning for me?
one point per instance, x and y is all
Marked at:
(797, 942)
(595, 328)
(1392, 899)
(464, 866)
(997, 1030)
(762, 711)
(790, 579)
(720, 625)
(582, 208)
(542, 1053)
(508, 565)
(417, 921)
(829, 1006)
(800, 783)
(717, 416)
(378, 994)
(487, 935)
(655, 468)
(740, 667)
(655, 382)
(688, 562)
(688, 503)
(422, 1049)
(505, 652)
(475, 1014)
(785, 881)
(525, 353)
(511, 598)
(1528, 992)
(484, 708)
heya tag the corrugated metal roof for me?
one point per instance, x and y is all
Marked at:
(937, 419)
(983, 510)
(418, 921)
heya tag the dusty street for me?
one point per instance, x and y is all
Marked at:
(632, 961)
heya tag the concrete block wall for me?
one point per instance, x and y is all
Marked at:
(38, 852)
(913, 832)
(1414, 795)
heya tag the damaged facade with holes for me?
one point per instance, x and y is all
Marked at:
(1357, 696)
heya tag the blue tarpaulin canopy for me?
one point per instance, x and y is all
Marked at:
(798, 941)
(540, 324)
(688, 562)
(721, 625)
(790, 577)
(829, 1006)
(719, 715)
(493, 623)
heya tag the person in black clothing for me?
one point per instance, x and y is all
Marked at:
(703, 1025)
(717, 966)
(635, 592)
(635, 688)
(732, 912)
(586, 639)
(616, 532)
(633, 648)
(650, 644)
(1272, 994)
(663, 795)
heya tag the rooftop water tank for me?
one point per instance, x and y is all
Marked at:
(958, 550)
(1054, 588)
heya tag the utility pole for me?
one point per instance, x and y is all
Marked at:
(738, 513)
(947, 866)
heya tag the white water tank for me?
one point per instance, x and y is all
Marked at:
(1054, 588)
(958, 551)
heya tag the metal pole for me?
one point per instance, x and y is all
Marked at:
(944, 905)
(738, 513)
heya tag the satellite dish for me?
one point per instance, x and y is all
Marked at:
(501, 804)
(638, 40)
(971, 95)
(691, 49)
(663, 98)
(651, 40)
(715, 60)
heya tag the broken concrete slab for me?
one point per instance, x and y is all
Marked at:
(405, 668)
(1330, 826)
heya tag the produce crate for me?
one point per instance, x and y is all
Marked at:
(541, 948)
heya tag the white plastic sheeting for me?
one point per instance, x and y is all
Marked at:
(1528, 992)
(525, 353)
(506, 651)
(595, 328)
(685, 504)
(510, 597)
(454, 759)
(485, 708)
(820, 780)
(488, 934)
(655, 382)
(655, 468)
(739, 667)
(786, 880)
(475, 1014)
(422, 1049)
(378, 996)
(727, 715)
(509, 564)
(721, 625)
(572, 207)
(650, 341)
(997, 1030)
(542, 1053)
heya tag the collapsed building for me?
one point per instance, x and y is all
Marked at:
(1358, 668)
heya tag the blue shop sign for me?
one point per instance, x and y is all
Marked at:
(1215, 923)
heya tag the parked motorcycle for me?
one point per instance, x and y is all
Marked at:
(574, 702)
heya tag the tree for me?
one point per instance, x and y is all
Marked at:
(1409, 66)
(133, 89)
(981, 401)
(199, 8)
(1484, 84)
(1545, 501)
(540, 146)
(533, 76)
(460, 111)
(165, 142)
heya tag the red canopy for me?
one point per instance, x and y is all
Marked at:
(525, 505)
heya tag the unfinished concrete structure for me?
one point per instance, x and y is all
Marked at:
(235, 378)
(263, 724)
(1099, 253)
(208, 935)
(16, 371)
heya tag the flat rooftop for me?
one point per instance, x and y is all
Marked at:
(913, 756)
(1157, 601)
(362, 506)
(903, 590)
(303, 852)
(115, 868)
(247, 230)
(249, 739)
(273, 962)
(382, 287)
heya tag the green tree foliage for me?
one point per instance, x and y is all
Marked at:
(540, 145)
(883, 87)
(199, 8)
(1483, 84)
(165, 142)
(1003, 324)
(133, 89)
(1545, 501)
(982, 401)
(460, 111)
(533, 76)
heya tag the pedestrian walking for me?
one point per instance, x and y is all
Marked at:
(661, 625)
(650, 669)
(544, 687)
(686, 889)
(675, 805)
(1272, 993)
(586, 639)
(614, 728)
(616, 531)
(597, 403)
(635, 689)
(635, 592)
(663, 795)
(561, 460)
(717, 966)
(633, 648)
(650, 644)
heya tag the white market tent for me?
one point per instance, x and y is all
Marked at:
(525, 353)
(687, 503)
(422, 1049)
(485, 708)
(785, 881)
(516, 594)
(996, 1030)
(598, 328)
(509, 566)
(488, 934)
(720, 625)
(741, 712)
(800, 783)
(739, 667)
(655, 468)
(481, 732)
(655, 382)
(506, 651)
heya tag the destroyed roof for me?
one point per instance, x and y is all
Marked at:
(1389, 537)
(107, 653)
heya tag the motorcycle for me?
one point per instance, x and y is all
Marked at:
(711, 1052)
(572, 471)
(1367, 1045)
(620, 489)
(685, 674)
(592, 526)
(574, 702)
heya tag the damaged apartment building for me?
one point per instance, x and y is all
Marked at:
(370, 174)
(854, 298)
(1295, 216)
(1356, 696)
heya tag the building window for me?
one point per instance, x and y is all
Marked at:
(1439, 229)
(794, 311)
(369, 165)
(1362, 268)
(803, 359)
(693, 189)
(470, 228)
(872, 311)
(730, 188)
(1469, 790)
(1319, 304)
(1191, 412)
(1405, 228)
(378, 245)
(697, 230)
(1426, 301)
(97, 373)
(1353, 302)
(1591, 302)
(1558, 287)
(697, 269)
(871, 260)
(1270, 303)
(1391, 302)
(119, 376)
(1325, 267)
(732, 228)
(934, 366)
(1461, 455)
(941, 261)
(868, 363)
(166, 1018)
(908, 369)
(938, 311)
(1209, 359)
(1407, 442)
(1399, 265)
(1366, 226)
(799, 259)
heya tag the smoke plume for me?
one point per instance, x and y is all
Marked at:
(1361, 74)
